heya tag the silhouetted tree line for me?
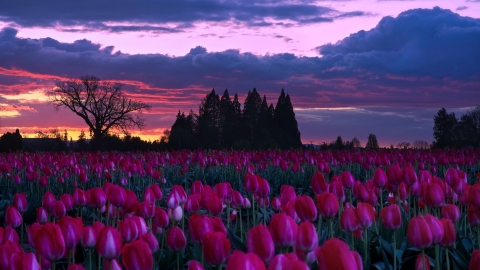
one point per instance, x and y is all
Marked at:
(450, 132)
(221, 123)
(11, 142)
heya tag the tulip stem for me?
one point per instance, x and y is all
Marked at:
(241, 224)
(381, 201)
(437, 257)
(253, 208)
(330, 225)
(478, 236)
(219, 267)
(423, 259)
(395, 250)
(90, 258)
(365, 246)
(448, 258)
(178, 260)
(319, 227)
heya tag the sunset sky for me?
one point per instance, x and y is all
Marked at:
(351, 67)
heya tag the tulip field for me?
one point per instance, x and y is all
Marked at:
(306, 209)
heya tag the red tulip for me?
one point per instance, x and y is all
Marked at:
(88, 239)
(194, 265)
(418, 233)
(96, 198)
(224, 191)
(260, 242)
(409, 176)
(72, 229)
(451, 212)
(327, 204)
(473, 215)
(475, 261)
(48, 201)
(283, 230)
(161, 218)
(146, 210)
(450, 235)
(49, 242)
(20, 202)
(197, 187)
(192, 205)
(305, 208)
(318, 183)
(474, 195)
(237, 200)
(336, 188)
(157, 192)
(13, 218)
(20, 261)
(148, 196)
(137, 256)
(263, 188)
(117, 196)
(214, 205)
(421, 262)
(391, 217)
(216, 248)
(250, 183)
(109, 243)
(394, 175)
(131, 202)
(9, 234)
(244, 261)
(335, 254)
(280, 261)
(7, 251)
(365, 214)
(97, 227)
(434, 195)
(347, 179)
(287, 194)
(59, 209)
(379, 177)
(112, 264)
(129, 230)
(349, 220)
(198, 226)
(289, 209)
(307, 238)
(176, 239)
(180, 193)
(277, 204)
(436, 228)
(218, 225)
(151, 240)
(79, 198)
(360, 192)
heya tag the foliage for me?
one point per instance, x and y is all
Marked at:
(372, 142)
(11, 142)
(222, 124)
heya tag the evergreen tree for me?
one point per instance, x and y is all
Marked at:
(182, 133)
(339, 144)
(288, 135)
(372, 142)
(209, 121)
(443, 128)
(228, 120)
(467, 130)
(251, 117)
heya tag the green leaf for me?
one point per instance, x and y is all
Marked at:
(385, 261)
(387, 247)
(236, 242)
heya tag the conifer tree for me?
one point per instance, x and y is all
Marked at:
(209, 121)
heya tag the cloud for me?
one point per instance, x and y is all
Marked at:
(164, 16)
(461, 8)
(401, 63)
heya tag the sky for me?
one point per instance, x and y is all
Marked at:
(352, 68)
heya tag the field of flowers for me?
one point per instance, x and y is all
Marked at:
(389, 209)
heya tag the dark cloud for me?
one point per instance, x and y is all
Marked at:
(461, 8)
(124, 15)
(423, 59)
(421, 42)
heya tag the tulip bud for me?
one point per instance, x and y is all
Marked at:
(475, 260)
(283, 230)
(451, 212)
(245, 261)
(20, 202)
(305, 208)
(59, 209)
(259, 241)
(335, 254)
(450, 235)
(327, 204)
(349, 220)
(137, 256)
(215, 247)
(421, 262)
(50, 235)
(365, 214)
(436, 228)
(194, 265)
(391, 217)
(176, 239)
(13, 218)
(109, 243)
(152, 241)
(307, 238)
(88, 239)
(418, 233)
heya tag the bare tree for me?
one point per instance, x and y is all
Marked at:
(101, 104)
(419, 144)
